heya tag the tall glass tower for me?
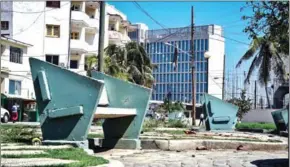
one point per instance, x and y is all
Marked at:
(160, 47)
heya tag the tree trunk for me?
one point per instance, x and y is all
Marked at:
(267, 96)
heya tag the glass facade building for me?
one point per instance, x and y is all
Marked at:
(179, 82)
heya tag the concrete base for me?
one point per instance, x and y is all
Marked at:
(115, 143)
(80, 144)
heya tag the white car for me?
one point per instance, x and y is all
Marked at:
(4, 115)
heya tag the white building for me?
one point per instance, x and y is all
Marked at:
(139, 34)
(16, 79)
(45, 26)
(117, 27)
(209, 52)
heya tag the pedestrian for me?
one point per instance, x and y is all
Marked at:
(14, 112)
(201, 119)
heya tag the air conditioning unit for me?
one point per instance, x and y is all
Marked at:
(62, 65)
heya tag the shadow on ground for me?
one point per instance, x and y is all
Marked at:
(271, 163)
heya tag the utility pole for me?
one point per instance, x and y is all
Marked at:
(255, 94)
(69, 36)
(101, 35)
(224, 71)
(193, 68)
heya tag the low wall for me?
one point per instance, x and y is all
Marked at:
(259, 115)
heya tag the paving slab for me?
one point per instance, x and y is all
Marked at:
(27, 147)
(22, 152)
(28, 162)
(219, 158)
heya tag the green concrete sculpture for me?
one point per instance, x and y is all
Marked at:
(66, 101)
(280, 118)
(124, 114)
(219, 115)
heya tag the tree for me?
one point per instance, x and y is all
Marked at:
(265, 58)
(132, 60)
(243, 103)
(90, 64)
(271, 20)
(268, 29)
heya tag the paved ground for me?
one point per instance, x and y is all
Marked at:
(199, 158)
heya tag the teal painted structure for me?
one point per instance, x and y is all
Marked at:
(66, 101)
(124, 95)
(219, 115)
(280, 118)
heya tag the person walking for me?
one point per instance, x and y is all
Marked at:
(201, 119)
(14, 112)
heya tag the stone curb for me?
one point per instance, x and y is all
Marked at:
(179, 145)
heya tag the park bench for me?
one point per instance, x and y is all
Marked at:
(219, 115)
(68, 102)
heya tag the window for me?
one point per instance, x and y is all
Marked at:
(53, 4)
(4, 25)
(14, 87)
(52, 30)
(52, 59)
(76, 7)
(75, 35)
(74, 64)
(112, 27)
(16, 55)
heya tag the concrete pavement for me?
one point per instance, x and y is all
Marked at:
(229, 158)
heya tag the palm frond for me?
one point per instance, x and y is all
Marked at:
(255, 45)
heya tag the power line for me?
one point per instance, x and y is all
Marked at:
(147, 14)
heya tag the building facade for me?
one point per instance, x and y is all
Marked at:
(52, 27)
(160, 47)
(16, 79)
(139, 32)
(117, 27)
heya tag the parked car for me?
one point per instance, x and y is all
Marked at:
(4, 115)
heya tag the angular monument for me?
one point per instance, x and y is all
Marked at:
(280, 118)
(123, 106)
(66, 102)
(219, 115)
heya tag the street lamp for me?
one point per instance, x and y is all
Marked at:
(207, 54)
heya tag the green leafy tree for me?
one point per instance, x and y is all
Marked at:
(243, 103)
(270, 19)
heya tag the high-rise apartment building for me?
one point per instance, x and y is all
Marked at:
(208, 70)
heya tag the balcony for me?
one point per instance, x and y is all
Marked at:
(118, 38)
(79, 46)
(81, 19)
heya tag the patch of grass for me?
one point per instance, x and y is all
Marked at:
(152, 123)
(267, 126)
(95, 135)
(18, 133)
(77, 154)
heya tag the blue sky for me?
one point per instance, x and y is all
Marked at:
(177, 14)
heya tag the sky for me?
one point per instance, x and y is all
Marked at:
(177, 14)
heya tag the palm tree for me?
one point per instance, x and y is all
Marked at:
(133, 60)
(266, 59)
(90, 64)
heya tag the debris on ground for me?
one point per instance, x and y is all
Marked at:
(201, 148)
